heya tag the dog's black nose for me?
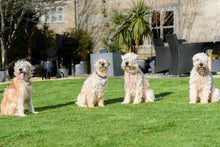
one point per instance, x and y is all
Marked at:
(126, 63)
(20, 69)
(201, 64)
(103, 64)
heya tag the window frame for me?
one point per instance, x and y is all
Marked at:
(161, 23)
(53, 15)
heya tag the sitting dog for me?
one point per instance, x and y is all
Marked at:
(137, 87)
(201, 82)
(94, 88)
(20, 91)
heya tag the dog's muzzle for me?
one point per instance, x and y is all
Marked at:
(103, 65)
(22, 74)
(126, 64)
(201, 67)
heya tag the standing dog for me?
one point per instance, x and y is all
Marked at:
(201, 82)
(94, 88)
(19, 92)
(137, 87)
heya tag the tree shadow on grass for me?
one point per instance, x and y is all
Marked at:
(112, 101)
(53, 106)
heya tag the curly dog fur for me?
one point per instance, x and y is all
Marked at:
(202, 87)
(20, 91)
(137, 87)
(94, 88)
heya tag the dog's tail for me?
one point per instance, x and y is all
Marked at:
(159, 98)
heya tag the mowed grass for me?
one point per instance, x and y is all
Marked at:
(171, 121)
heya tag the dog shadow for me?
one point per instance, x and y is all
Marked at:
(40, 109)
(1, 91)
(107, 102)
(119, 100)
(162, 95)
(112, 101)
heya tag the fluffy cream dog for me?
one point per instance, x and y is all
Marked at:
(137, 87)
(94, 88)
(20, 92)
(201, 82)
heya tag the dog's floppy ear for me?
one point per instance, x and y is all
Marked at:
(193, 58)
(108, 62)
(96, 63)
(29, 65)
(136, 56)
(122, 56)
(30, 68)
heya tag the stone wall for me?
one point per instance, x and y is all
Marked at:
(69, 18)
(91, 19)
(199, 20)
(195, 20)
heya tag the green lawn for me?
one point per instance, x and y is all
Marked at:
(169, 122)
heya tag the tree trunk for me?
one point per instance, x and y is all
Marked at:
(4, 54)
(29, 48)
(4, 58)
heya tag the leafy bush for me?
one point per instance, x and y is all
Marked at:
(129, 30)
(85, 42)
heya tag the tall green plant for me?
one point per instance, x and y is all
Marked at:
(85, 42)
(130, 30)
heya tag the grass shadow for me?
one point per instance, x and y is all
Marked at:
(112, 101)
(53, 106)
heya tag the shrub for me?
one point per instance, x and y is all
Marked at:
(85, 42)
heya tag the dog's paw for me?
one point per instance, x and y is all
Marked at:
(136, 103)
(22, 115)
(35, 112)
(125, 102)
(91, 106)
(83, 106)
(204, 102)
(101, 105)
(192, 102)
(215, 101)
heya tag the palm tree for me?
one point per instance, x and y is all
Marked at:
(131, 30)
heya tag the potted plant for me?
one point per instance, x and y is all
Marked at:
(62, 70)
(2, 74)
(83, 50)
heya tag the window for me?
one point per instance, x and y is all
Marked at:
(162, 23)
(53, 15)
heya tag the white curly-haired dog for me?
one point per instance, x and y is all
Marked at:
(201, 81)
(20, 91)
(137, 87)
(94, 88)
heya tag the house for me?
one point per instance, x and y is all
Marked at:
(59, 15)
(193, 20)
